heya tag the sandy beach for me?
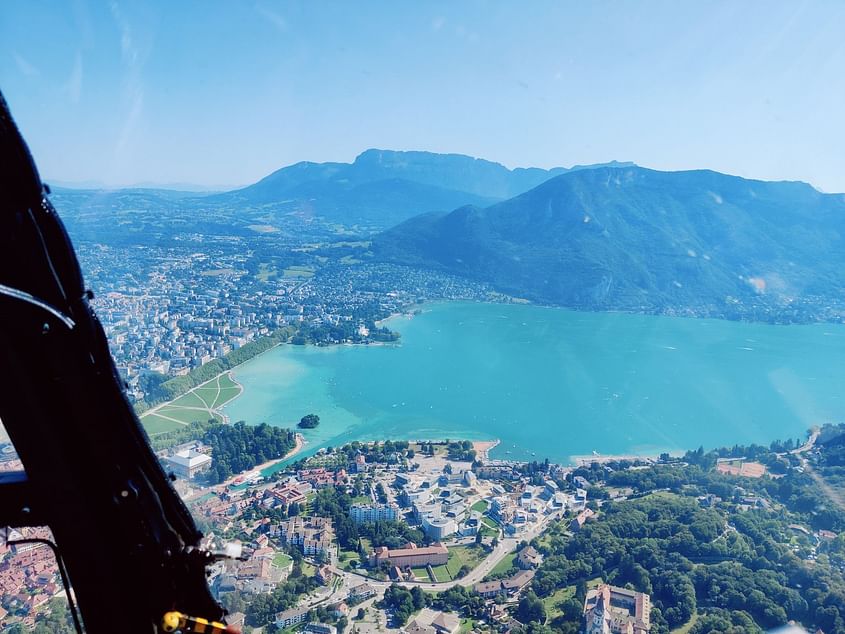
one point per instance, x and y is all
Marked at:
(300, 444)
(483, 447)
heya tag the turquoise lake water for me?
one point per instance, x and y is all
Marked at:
(556, 383)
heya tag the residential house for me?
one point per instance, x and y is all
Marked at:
(291, 617)
(528, 557)
(579, 520)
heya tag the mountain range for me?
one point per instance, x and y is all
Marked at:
(605, 237)
(383, 187)
(379, 189)
(632, 238)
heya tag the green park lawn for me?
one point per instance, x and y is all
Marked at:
(186, 416)
(506, 564)
(486, 531)
(460, 556)
(281, 560)
(421, 573)
(298, 272)
(193, 399)
(480, 506)
(552, 601)
(192, 406)
(157, 425)
(489, 523)
(441, 573)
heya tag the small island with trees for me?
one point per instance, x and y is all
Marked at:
(309, 421)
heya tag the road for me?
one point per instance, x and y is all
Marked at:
(832, 494)
(807, 445)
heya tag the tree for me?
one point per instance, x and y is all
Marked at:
(419, 598)
(531, 609)
(581, 591)
(401, 601)
(309, 421)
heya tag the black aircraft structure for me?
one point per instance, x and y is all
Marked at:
(127, 547)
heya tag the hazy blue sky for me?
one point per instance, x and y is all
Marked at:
(221, 93)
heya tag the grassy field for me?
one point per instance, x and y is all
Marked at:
(488, 527)
(199, 404)
(460, 556)
(467, 625)
(481, 506)
(552, 601)
(157, 425)
(506, 564)
(266, 271)
(298, 272)
(218, 393)
(348, 555)
(421, 573)
(196, 398)
(281, 560)
(185, 415)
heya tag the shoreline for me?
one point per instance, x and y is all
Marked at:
(232, 378)
(483, 448)
(583, 460)
(217, 409)
(300, 444)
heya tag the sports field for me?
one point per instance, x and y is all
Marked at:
(199, 404)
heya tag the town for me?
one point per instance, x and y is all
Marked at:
(434, 536)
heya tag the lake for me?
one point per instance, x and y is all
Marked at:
(553, 383)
